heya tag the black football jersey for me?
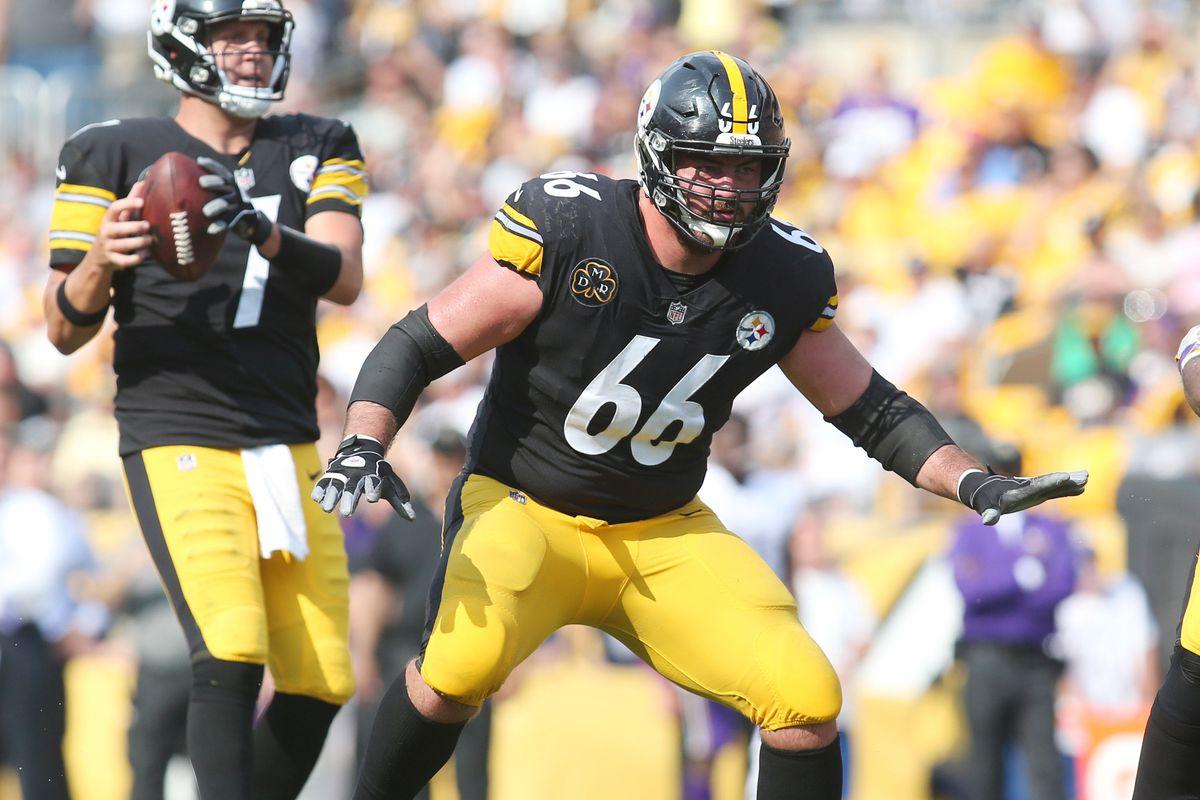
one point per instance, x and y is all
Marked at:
(606, 404)
(229, 360)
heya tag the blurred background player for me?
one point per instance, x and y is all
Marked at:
(43, 623)
(216, 379)
(1012, 577)
(1168, 769)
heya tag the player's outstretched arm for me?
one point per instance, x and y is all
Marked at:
(1189, 367)
(484, 308)
(75, 303)
(901, 434)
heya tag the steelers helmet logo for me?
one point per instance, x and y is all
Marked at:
(593, 282)
(649, 103)
(755, 330)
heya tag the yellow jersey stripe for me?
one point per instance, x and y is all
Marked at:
(353, 184)
(92, 191)
(517, 216)
(827, 315)
(83, 218)
(513, 250)
(335, 193)
(737, 85)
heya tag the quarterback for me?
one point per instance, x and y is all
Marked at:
(626, 318)
(216, 379)
(1169, 767)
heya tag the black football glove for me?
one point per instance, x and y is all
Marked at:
(231, 209)
(992, 495)
(359, 469)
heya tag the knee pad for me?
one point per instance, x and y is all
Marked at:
(225, 681)
(238, 633)
(804, 686)
(473, 663)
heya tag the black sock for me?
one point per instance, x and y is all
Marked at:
(220, 716)
(405, 750)
(287, 742)
(1167, 769)
(795, 774)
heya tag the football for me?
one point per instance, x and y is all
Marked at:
(173, 207)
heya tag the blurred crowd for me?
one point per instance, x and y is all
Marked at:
(1011, 198)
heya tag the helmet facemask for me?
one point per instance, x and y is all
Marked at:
(182, 55)
(658, 165)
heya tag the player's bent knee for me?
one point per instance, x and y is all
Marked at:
(805, 690)
(236, 634)
(432, 705)
(467, 660)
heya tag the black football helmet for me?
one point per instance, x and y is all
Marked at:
(710, 102)
(179, 40)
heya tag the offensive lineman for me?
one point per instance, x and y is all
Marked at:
(216, 379)
(626, 320)
(1169, 766)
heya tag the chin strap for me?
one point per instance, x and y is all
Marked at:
(244, 107)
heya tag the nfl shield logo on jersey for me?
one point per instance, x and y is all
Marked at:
(755, 330)
(676, 313)
(245, 178)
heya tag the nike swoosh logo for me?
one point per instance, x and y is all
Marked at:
(61, 173)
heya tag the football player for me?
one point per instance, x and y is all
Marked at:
(216, 379)
(1169, 766)
(626, 318)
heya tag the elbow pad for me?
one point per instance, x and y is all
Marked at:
(892, 427)
(408, 358)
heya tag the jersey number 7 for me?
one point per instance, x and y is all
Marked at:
(648, 445)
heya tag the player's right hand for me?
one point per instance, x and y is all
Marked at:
(123, 240)
(359, 468)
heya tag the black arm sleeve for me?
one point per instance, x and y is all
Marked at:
(893, 428)
(408, 357)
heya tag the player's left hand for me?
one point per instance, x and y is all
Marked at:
(231, 209)
(359, 468)
(993, 495)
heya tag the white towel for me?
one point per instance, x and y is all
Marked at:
(271, 477)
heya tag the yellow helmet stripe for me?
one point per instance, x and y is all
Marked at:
(738, 86)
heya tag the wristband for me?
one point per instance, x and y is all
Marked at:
(959, 489)
(317, 264)
(80, 319)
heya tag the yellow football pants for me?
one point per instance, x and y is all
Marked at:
(198, 520)
(682, 592)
